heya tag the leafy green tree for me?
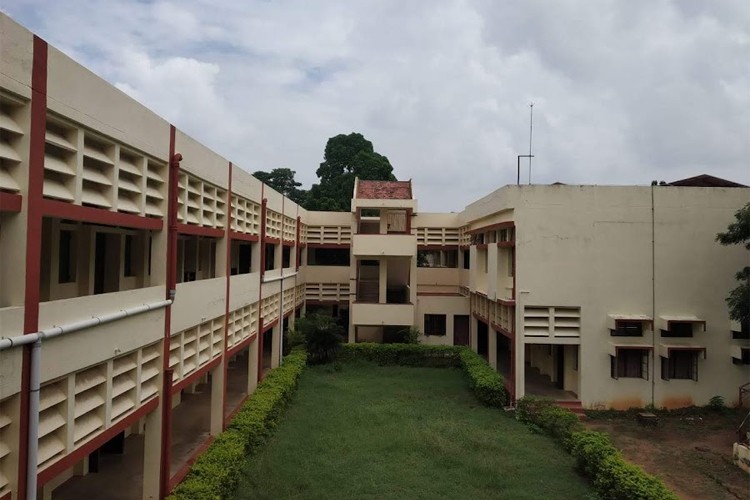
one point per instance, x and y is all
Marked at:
(738, 233)
(282, 180)
(323, 337)
(346, 157)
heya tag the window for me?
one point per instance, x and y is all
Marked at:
(270, 250)
(743, 333)
(286, 256)
(680, 365)
(467, 259)
(744, 359)
(434, 324)
(629, 363)
(66, 265)
(628, 329)
(242, 263)
(328, 257)
(437, 258)
(678, 329)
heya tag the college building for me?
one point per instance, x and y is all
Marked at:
(146, 282)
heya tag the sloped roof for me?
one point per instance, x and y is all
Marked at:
(705, 180)
(384, 190)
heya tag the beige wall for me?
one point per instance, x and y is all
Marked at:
(450, 306)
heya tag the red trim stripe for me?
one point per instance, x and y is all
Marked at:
(63, 210)
(10, 202)
(237, 348)
(177, 387)
(243, 236)
(211, 232)
(269, 325)
(33, 241)
(273, 241)
(328, 245)
(171, 278)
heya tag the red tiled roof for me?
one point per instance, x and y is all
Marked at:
(384, 190)
(705, 180)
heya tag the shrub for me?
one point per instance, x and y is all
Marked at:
(435, 356)
(410, 335)
(547, 416)
(323, 337)
(595, 455)
(717, 404)
(216, 472)
(292, 339)
(486, 383)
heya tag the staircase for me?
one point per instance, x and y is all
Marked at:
(572, 405)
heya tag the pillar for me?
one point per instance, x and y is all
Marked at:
(217, 398)
(152, 453)
(252, 369)
(519, 346)
(492, 347)
(276, 343)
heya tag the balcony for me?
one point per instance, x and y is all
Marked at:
(392, 245)
(382, 314)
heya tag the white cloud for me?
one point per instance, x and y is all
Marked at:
(625, 91)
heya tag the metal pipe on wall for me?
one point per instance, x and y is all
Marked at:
(35, 339)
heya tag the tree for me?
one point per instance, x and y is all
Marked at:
(346, 157)
(323, 337)
(738, 233)
(282, 180)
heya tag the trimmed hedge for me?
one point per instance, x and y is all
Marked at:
(484, 381)
(216, 472)
(596, 457)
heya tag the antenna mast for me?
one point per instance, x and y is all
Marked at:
(531, 130)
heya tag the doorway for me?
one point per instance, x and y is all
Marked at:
(461, 329)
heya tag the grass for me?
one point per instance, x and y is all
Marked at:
(402, 432)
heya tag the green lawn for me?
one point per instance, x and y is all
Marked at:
(400, 432)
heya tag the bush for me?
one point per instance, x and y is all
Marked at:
(614, 478)
(547, 416)
(484, 381)
(717, 404)
(434, 356)
(323, 337)
(292, 339)
(410, 335)
(595, 455)
(216, 472)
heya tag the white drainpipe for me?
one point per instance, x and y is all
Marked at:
(35, 339)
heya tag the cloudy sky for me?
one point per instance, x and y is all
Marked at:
(624, 91)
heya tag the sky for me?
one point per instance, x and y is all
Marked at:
(624, 91)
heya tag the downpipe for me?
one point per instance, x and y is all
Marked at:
(35, 339)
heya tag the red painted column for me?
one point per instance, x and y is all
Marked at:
(229, 275)
(166, 420)
(33, 241)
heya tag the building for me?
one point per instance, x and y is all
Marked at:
(191, 270)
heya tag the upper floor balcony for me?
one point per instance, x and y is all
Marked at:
(392, 245)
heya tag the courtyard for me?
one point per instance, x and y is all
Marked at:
(366, 431)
